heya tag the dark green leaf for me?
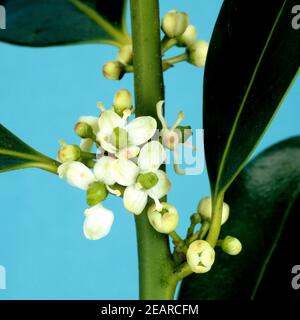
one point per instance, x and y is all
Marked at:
(15, 154)
(57, 22)
(252, 61)
(265, 203)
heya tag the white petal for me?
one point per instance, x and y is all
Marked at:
(135, 200)
(140, 130)
(108, 120)
(98, 222)
(151, 156)
(128, 153)
(106, 144)
(103, 170)
(125, 172)
(76, 174)
(86, 144)
(162, 187)
(92, 121)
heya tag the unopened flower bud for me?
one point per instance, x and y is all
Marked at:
(164, 221)
(205, 209)
(76, 174)
(113, 70)
(69, 152)
(188, 37)
(174, 23)
(96, 193)
(83, 130)
(125, 54)
(147, 180)
(98, 222)
(122, 101)
(197, 53)
(200, 256)
(231, 245)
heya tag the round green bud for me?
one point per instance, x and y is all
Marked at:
(174, 23)
(231, 246)
(122, 101)
(113, 70)
(96, 193)
(69, 152)
(125, 54)
(197, 53)
(147, 180)
(188, 37)
(83, 130)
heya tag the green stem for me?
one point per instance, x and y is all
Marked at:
(167, 43)
(176, 59)
(195, 219)
(215, 226)
(203, 230)
(176, 238)
(182, 271)
(155, 261)
(88, 155)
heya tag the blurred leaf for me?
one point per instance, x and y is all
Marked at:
(57, 22)
(15, 154)
(265, 205)
(252, 61)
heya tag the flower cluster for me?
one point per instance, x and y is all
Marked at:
(130, 154)
(126, 164)
(177, 32)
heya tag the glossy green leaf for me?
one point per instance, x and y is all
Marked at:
(265, 215)
(252, 61)
(15, 154)
(57, 22)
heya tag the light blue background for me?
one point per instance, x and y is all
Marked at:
(43, 92)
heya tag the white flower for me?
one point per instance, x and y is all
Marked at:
(116, 136)
(76, 174)
(103, 170)
(200, 256)
(87, 144)
(171, 136)
(144, 179)
(98, 222)
(205, 209)
(124, 172)
(165, 221)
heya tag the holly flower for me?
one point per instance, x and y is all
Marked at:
(120, 138)
(144, 179)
